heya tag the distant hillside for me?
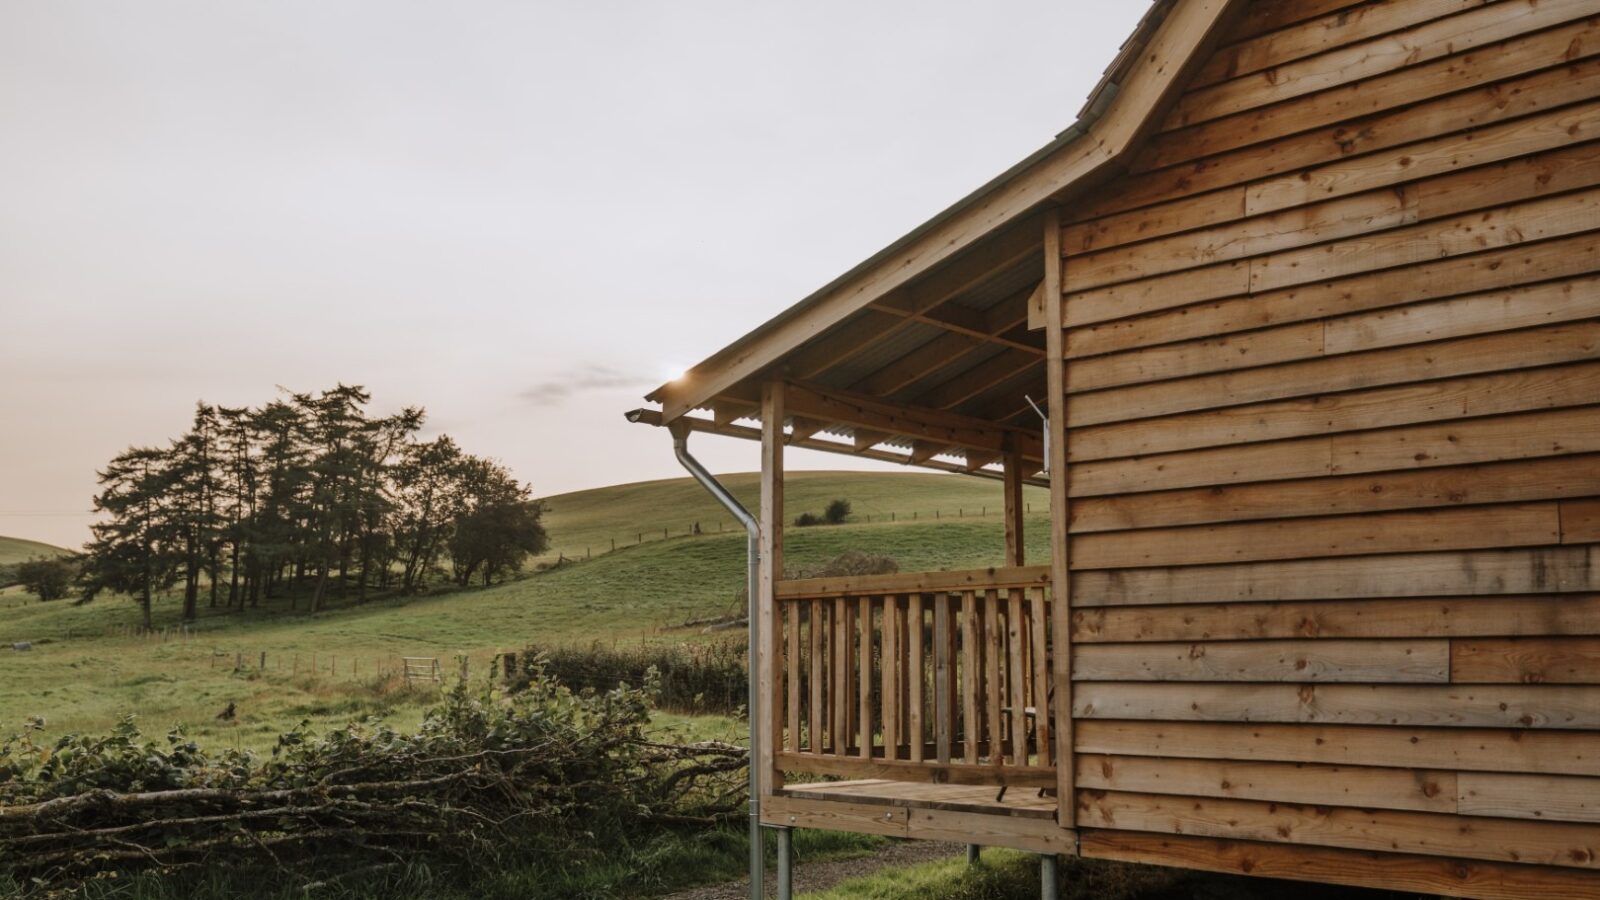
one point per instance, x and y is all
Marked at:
(590, 520)
(15, 550)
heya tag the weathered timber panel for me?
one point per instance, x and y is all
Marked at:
(1332, 347)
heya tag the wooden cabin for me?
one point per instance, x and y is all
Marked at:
(1309, 298)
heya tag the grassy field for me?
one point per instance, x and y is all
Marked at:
(588, 521)
(80, 676)
(15, 550)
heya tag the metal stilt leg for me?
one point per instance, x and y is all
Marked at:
(1049, 872)
(785, 863)
(972, 854)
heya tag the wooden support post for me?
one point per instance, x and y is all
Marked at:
(1013, 506)
(1060, 547)
(771, 572)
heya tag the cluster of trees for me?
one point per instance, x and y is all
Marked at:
(305, 494)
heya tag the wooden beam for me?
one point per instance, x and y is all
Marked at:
(866, 439)
(1176, 49)
(801, 428)
(769, 574)
(871, 413)
(1015, 555)
(1060, 549)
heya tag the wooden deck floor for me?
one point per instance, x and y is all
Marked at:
(1018, 801)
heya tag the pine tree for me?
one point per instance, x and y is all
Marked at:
(133, 550)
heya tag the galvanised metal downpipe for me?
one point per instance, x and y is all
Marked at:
(680, 447)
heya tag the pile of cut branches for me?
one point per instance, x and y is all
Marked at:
(483, 777)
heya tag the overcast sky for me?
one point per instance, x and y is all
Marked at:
(521, 215)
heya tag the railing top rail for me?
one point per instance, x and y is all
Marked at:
(915, 582)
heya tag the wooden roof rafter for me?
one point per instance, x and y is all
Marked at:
(946, 348)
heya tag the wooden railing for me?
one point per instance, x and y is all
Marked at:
(932, 676)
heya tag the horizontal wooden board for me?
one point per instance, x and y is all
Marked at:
(1522, 307)
(1439, 423)
(902, 582)
(1529, 348)
(1472, 573)
(1460, 617)
(1519, 56)
(1503, 482)
(1527, 306)
(1573, 80)
(1404, 531)
(1527, 660)
(1522, 436)
(1435, 156)
(922, 771)
(1374, 661)
(1507, 840)
(1448, 749)
(1316, 35)
(1328, 865)
(1364, 786)
(1552, 171)
(1580, 521)
(1470, 706)
(1259, 18)
(1383, 169)
(1340, 65)
(1497, 269)
(1506, 226)
(1279, 231)
(1549, 798)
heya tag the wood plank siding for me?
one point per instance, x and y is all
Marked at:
(1332, 448)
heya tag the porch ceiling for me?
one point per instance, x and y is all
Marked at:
(935, 375)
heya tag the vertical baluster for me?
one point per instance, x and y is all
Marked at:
(943, 665)
(993, 678)
(852, 716)
(890, 689)
(948, 677)
(914, 635)
(864, 655)
(1016, 636)
(971, 683)
(814, 632)
(841, 688)
(1041, 675)
(791, 613)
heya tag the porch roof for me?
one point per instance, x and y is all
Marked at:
(923, 354)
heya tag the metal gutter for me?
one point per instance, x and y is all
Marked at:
(680, 447)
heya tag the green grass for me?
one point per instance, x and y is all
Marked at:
(80, 679)
(15, 550)
(587, 521)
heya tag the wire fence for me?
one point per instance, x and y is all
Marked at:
(701, 527)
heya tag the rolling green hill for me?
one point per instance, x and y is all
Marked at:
(15, 550)
(588, 521)
(83, 674)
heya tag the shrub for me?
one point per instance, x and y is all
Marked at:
(690, 678)
(837, 512)
(546, 775)
(846, 564)
(49, 578)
